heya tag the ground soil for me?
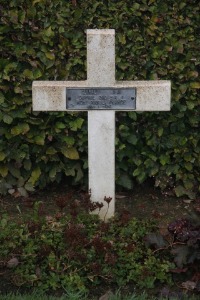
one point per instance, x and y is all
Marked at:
(143, 202)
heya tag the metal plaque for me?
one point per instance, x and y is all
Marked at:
(101, 98)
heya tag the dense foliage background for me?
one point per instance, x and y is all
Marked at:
(45, 40)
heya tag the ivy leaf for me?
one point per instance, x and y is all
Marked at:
(136, 172)
(34, 176)
(27, 165)
(37, 73)
(14, 171)
(141, 177)
(36, 1)
(22, 128)
(53, 172)
(125, 181)
(164, 159)
(29, 187)
(60, 125)
(2, 156)
(160, 131)
(3, 170)
(70, 153)
(22, 191)
(51, 151)
(7, 119)
(181, 191)
(76, 124)
(122, 38)
(39, 140)
(79, 173)
(188, 166)
(2, 98)
(50, 55)
(132, 139)
(69, 140)
(48, 32)
(195, 85)
(28, 74)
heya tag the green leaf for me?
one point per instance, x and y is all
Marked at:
(48, 32)
(195, 85)
(27, 165)
(182, 141)
(181, 191)
(125, 181)
(70, 153)
(37, 73)
(50, 55)
(141, 177)
(36, 1)
(18, 90)
(79, 174)
(14, 171)
(22, 192)
(60, 125)
(28, 74)
(2, 156)
(188, 166)
(136, 172)
(132, 139)
(3, 170)
(69, 140)
(22, 128)
(122, 38)
(2, 98)
(29, 187)
(53, 172)
(135, 6)
(190, 104)
(164, 159)
(76, 124)
(154, 170)
(133, 115)
(39, 140)
(51, 151)
(7, 119)
(70, 172)
(160, 131)
(34, 175)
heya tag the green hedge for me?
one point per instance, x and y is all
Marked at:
(45, 40)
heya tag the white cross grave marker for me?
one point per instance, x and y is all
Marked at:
(101, 95)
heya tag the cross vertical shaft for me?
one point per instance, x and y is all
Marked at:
(101, 124)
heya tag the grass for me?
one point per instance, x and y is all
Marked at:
(79, 296)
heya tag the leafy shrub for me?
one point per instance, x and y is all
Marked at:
(184, 245)
(44, 40)
(74, 250)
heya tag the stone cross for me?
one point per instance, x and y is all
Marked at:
(101, 95)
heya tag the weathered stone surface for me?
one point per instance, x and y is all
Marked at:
(150, 96)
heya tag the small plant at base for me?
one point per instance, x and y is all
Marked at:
(71, 249)
(183, 248)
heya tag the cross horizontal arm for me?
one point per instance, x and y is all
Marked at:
(150, 95)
